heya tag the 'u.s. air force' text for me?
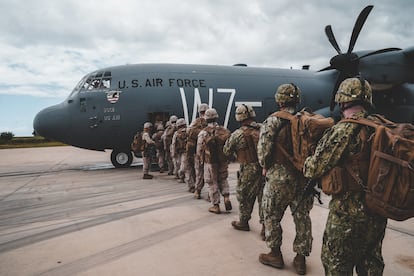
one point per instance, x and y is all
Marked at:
(158, 82)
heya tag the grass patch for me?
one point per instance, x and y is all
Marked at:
(28, 142)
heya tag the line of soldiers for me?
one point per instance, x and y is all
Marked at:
(353, 235)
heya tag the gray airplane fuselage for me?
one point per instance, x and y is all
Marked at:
(88, 119)
(108, 106)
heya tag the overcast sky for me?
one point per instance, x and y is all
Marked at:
(47, 46)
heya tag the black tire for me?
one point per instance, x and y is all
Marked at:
(121, 158)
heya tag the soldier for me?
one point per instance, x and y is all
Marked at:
(353, 235)
(284, 185)
(146, 153)
(167, 138)
(210, 144)
(159, 145)
(178, 148)
(243, 143)
(195, 166)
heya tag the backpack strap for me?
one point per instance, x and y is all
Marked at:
(283, 114)
(361, 121)
(288, 117)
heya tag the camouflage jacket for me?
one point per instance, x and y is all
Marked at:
(268, 132)
(338, 143)
(238, 144)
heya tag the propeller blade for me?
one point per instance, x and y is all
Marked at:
(331, 37)
(378, 52)
(339, 79)
(358, 26)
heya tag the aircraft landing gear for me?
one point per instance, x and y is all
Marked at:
(121, 158)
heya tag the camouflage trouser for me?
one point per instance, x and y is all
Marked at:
(169, 160)
(199, 174)
(146, 160)
(184, 172)
(282, 189)
(187, 165)
(215, 176)
(249, 187)
(160, 158)
(177, 163)
(352, 237)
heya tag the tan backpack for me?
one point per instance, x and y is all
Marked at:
(137, 144)
(214, 143)
(307, 129)
(390, 186)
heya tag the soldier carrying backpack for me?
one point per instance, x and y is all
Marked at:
(210, 144)
(353, 234)
(243, 144)
(284, 183)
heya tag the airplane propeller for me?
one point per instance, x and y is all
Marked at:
(348, 63)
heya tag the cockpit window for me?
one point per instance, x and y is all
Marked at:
(97, 81)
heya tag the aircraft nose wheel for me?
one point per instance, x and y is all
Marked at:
(121, 158)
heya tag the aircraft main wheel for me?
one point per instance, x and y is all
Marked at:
(121, 158)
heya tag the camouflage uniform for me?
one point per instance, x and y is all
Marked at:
(195, 165)
(283, 188)
(353, 236)
(215, 169)
(178, 149)
(157, 137)
(146, 153)
(249, 181)
(167, 138)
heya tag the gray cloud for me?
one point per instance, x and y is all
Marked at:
(48, 46)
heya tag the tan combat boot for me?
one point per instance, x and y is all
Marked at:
(242, 226)
(215, 209)
(262, 233)
(227, 203)
(147, 176)
(197, 194)
(273, 258)
(299, 262)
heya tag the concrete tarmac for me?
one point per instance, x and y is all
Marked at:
(67, 211)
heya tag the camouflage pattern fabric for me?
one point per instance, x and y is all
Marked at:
(353, 236)
(250, 181)
(146, 156)
(195, 166)
(157, 137)
(282, 189)
(167, 138)
(215, 175)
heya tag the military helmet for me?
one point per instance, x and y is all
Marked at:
(203, 107)
(173, 119)
(180, 122)
(287, 93)
(244, 112)
(211, 113)
(147, 125)
(354, 89)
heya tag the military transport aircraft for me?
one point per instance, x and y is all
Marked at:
(108, 106)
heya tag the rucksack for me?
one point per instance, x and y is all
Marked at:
(181, 140)
(214, 143)
(390, 185)
(137, 144)
(307, 129)
(251, 134)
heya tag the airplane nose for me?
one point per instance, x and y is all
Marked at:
(49, 123)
